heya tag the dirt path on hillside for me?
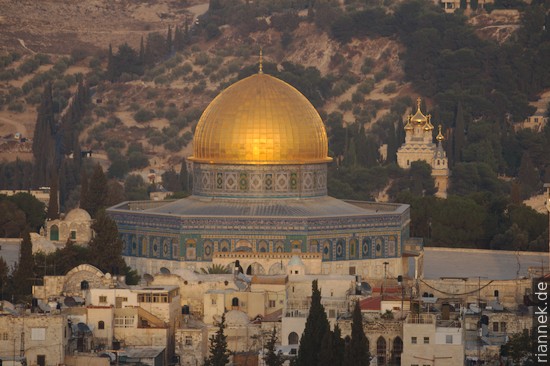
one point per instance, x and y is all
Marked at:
(14, 127)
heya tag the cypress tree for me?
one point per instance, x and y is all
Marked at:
(43, 144)
(185, 180)
(273, 358)
(392, 144)
(219, 356)
(97, 191)
(326, 354)
(357, 352)
(111, 67)
(141, 52)
(53, 203)
(338, 345)
(178, 39)
(169, 42)
(84, 194)
(24, 274)
(316, 324)
(459, 134)
(106, 245)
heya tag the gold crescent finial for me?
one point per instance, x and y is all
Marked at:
(261, 69)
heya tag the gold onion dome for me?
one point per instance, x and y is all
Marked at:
(440, 136)
(419, 117)
(260, 120)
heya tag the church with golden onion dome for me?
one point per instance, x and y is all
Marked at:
(259, 165)
(419, 146)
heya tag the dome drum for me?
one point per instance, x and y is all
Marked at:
(260, 181)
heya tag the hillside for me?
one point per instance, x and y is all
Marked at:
(176, 91)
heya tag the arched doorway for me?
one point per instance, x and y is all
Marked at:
(255, 269)
(54, 233)
(293, 338)
(381, 350)
(397, 349)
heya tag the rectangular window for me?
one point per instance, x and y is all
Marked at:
(271, 303)
(188, 340)
(124, 322)
(449, 339)
(103, 299)
(495, 326)
(5, 336)
(73, 235)
(38, 334)
(413, 340)
(426, 340)
(503, 327)
(213, 301)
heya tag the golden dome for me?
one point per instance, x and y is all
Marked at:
(419, 117)
(260, 120)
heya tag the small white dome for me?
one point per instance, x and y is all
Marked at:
(78, 214)
(295, 261)
(236, 318)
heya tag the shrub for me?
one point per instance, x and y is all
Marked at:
(366, 86)
(368, 64)
(201, 59)
(389, 88)
(346, 105)
(143, 115)
(16, 106)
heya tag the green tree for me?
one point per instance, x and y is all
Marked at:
(357, 353)
(96, 195)
(273, 358)
(32, 208)
(528, 176)
(518, 348)
(53, 203)
(12, 219)
(316, 324)
(219, 355)
(106, 245)
(5, 290)
(43, 143)
(24, 274)
(458, 135)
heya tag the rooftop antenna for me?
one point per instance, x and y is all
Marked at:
(261, 69)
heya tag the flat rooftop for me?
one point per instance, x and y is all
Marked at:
(489, 264)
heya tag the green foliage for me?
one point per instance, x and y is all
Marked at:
(417, 179)
(143, 115)
(93, 199)
(357, 353)
(106, 245)
(273, 358)
(23, 277)
(519, 348)
(135, 188)
(12, 219)
(216, 269)
(219, 355)
(316, 324)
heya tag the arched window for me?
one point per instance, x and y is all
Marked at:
(101, 324)
(54, 233)
(84, 285)
(397, 349)
(293, 338)
(235, 302)
(381, 350)
(496, 293)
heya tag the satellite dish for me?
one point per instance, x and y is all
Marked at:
(148, 278)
